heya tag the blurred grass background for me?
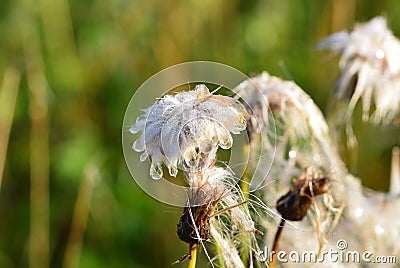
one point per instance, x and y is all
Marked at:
(68, 70)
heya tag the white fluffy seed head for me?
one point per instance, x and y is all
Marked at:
(187, 128)
(370, 68)
(348, 206)
(299, 123)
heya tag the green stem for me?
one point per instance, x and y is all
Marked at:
(245, 182)
(220, 258)
(193, 256)
(245, 187)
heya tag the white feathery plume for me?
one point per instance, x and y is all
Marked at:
(187, 129)
(229, 252)
(370, 63)
(300, 125)
(369, 220)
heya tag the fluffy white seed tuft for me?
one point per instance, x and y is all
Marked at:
(187, 128)
(370, 63)
(364, 218)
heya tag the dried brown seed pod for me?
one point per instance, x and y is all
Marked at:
(295, 204)
(197, 229)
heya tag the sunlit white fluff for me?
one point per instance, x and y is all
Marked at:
(187, 128)
(216, 188)
(229, 252)
(297, 122)
(367, 222)
(216, 183)
(370, 63)
(233, 231)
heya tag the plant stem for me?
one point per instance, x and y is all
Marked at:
(276, 243)
(193, 256)
(219, 254)
(8, 97)
(39, 233)
(245, 187)
(245, 183)
(80, 217)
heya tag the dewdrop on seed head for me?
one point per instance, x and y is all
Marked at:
(187, 128)
(370, 63)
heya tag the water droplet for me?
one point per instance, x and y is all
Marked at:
(190, 157)
(238, 127)
(226, 144)
(143, 156)
(173, 170)
(225, 139)
(156, 172)
(241, 123)
(134, 129)
(139, 146)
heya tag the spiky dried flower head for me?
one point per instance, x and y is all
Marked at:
(187, 128)
(207, 189)
(216, 211)
(296, 202)
(370, 63)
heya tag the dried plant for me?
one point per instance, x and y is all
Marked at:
(185, 130)
(303, 140)
(295, 203)
(369, 60)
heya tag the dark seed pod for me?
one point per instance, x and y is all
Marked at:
(195, 218)
(294, 205)
(187, 229)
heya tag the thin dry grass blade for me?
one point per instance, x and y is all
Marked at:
(39, 158)
(39, 140)
(81, 212)
(8, 97)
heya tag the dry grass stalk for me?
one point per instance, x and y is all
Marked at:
(8, 97)
(82, 206)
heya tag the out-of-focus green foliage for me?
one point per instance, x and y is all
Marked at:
(94, 54)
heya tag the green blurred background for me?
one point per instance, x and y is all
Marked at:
(66, 196)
